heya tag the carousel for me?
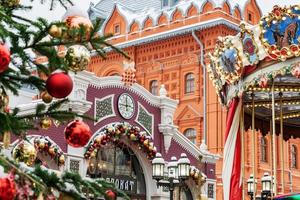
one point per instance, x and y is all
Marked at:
(256, 76)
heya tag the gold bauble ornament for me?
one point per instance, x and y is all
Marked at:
(98, 140)
(25, 152)
(51, 151)
(78, 58)
(10, 3)
(75, 23)
(42, 145)
(146, 142)
(132, 137)
(46, 97)
(55, 31)
(62, 159)
(46, 123)
(150, 148)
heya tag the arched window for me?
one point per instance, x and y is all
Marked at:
(120, 166)
(189, 83)
(294, 156)
(190, 133)
(154, 87)
(263, 149)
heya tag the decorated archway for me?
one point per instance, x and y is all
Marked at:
(117, 153)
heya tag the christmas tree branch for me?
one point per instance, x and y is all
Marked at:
(11, 165)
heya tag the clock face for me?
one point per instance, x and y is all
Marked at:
(126, 106)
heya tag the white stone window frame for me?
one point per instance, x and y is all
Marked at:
(213, 182)
(152, 116)
(71, 158)
(112, 96)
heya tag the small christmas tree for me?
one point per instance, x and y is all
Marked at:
(39, 54)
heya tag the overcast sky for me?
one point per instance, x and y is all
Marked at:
(43, 10)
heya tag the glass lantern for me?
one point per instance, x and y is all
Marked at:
(266, 182)
(250, 185)
(158, 166)
(183, 166)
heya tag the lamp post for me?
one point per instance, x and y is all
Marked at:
(178, 172)
(250, 186)
(266, 182)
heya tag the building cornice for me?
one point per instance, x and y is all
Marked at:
(176, 32)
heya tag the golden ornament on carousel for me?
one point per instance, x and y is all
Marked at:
(24, 152)
(46, 97)
(78, 58)
(45, 123)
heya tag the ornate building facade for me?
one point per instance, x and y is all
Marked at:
(122, 159)
(162, 38)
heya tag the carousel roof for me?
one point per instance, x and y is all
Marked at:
(261, 61)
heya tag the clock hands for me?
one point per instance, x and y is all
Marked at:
(126, 103)
(126, 106)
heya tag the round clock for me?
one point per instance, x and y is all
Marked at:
(126, 106)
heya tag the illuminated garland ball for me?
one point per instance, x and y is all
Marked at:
(59, 85)
(4, 58)
(77, 133)
(7, 189)
(78, 58)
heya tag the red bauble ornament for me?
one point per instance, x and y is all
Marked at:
(110, 195)
(4, 58)
(77, 133)
(59, 85)
(7, 189)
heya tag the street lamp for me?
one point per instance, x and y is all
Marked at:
(266, 182)
(250, 186)
(178, 172)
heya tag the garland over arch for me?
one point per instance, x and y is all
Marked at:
(44, 144)
(116, 133)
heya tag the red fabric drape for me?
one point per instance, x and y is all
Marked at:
(235, 186)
